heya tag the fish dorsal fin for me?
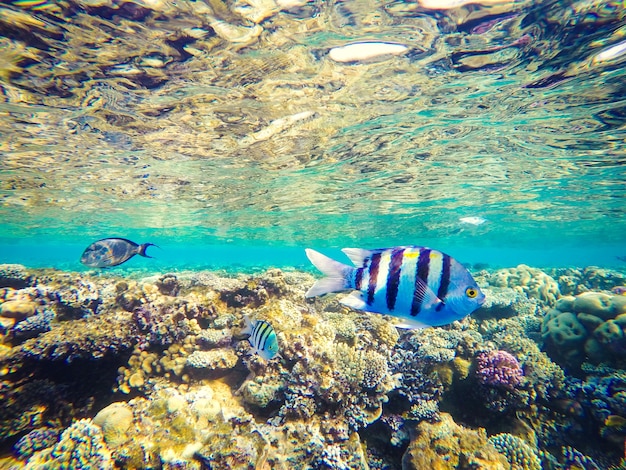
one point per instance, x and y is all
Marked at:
(429, 299)
(359, 255)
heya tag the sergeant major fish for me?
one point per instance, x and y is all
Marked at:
(420, 286)
(112, 252)
(262, 338)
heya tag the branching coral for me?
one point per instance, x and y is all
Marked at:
(80, 446)
(519, 454)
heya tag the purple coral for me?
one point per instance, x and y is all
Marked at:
(499, 369)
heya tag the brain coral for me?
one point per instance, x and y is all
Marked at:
(590, 326)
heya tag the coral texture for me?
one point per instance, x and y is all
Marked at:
(499, 369)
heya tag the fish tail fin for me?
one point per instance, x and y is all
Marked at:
(142, 249)
(337, 274)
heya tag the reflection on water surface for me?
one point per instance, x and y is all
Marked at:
(236, 119)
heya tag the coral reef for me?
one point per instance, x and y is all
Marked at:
(576, 281)
(499, 369)
(34, 326)
(588, 327)
(519, 454)
(80, 446)
(447, 445)
(533, 282)
(168, 379)
(34, 441)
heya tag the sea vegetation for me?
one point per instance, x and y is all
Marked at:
(145, 372)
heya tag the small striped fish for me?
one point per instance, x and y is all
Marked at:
(422, 287)
(262, 338)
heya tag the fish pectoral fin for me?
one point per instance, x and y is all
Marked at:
(411, 324)
(355, 301)
(428, 298)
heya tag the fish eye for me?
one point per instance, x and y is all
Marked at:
(471, 292)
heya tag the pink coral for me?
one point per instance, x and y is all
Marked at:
(499, 369)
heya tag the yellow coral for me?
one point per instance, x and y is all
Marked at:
(439, 446)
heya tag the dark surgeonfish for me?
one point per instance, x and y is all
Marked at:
(419, 286)
(112, 252)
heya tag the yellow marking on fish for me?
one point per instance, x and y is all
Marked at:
(411, 254)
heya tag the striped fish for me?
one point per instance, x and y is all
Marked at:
(420, 286)
(262, 338)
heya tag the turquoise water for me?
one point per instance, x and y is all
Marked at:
(238, 257)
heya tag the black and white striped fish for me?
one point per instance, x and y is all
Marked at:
(262, 338)
(420, 286)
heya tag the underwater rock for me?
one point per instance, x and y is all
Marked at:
(77, 297)
(168, 285)
(574, 459)
(505, 302)
(576, 281)
(213, 338)
(88, 338)
(447, 445)
(259, 393)
(338, 372)
(428, 363)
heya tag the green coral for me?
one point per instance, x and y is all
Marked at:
(519, 454)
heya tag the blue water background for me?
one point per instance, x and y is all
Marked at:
(173, 255)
